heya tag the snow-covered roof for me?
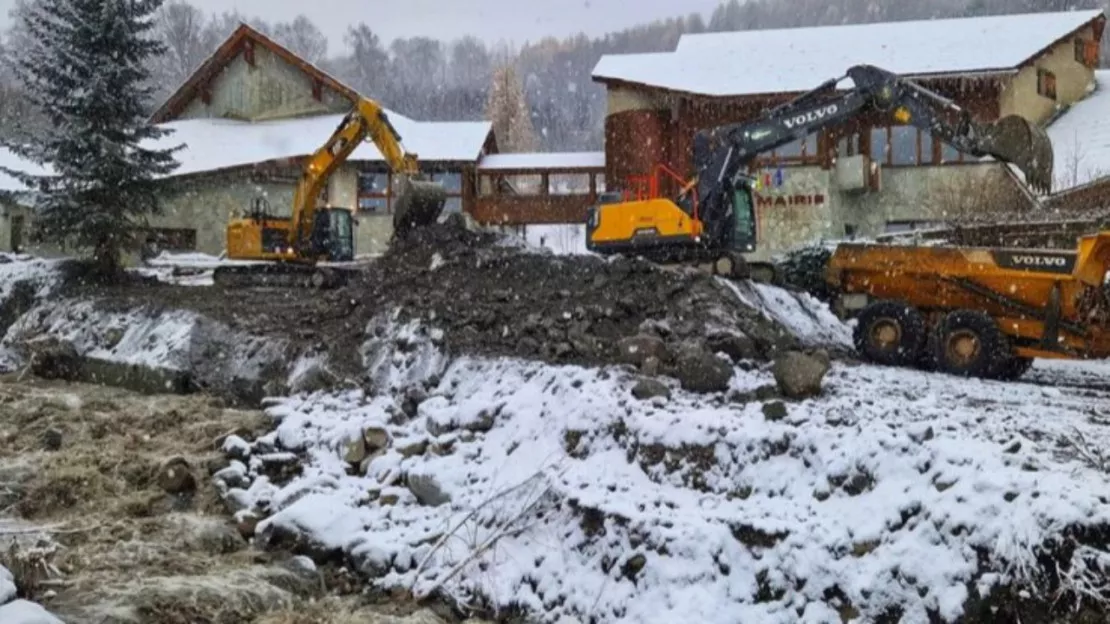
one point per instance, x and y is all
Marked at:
(1081, 137)
(214, 144)
(542, 160)
(798, 59)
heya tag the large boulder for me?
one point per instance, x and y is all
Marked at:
(799, 375)
(733, 344)
(636, 349)
(699, 370)
(53, 358)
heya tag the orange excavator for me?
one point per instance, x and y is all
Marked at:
(713, 218)
(288, 251)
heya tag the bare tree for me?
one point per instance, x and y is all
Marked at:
(367, 68)
(188, 39)
(303, 38)
(470, 63)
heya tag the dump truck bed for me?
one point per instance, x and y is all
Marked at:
(1024, 290)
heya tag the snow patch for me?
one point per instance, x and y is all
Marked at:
(804, 315)
(563, 239)
(14, 268)
(27, 612)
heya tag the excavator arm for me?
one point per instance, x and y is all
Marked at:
(367, 120)
(721, 153)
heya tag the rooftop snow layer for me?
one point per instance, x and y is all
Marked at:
(798, 59)
(541, 160)
(1081, 137)
(214, 144)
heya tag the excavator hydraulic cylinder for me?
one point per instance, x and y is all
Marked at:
(1014, 139)
(419, 203)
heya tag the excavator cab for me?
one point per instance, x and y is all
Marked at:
(333, 235)
(743, 237)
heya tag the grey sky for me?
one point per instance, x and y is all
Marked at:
(491, 20)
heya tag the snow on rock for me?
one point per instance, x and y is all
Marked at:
(27, 612)
(213, 355)
(551, 488)
(810, 320)
(43, 273)
(398, 355)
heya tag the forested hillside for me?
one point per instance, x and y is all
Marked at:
(455, 80)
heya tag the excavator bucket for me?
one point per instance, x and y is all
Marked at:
(1014, 139)
(418, 204)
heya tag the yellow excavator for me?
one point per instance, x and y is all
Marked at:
(713, 218)
(291, 248)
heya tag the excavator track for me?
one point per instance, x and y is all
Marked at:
(280, 275)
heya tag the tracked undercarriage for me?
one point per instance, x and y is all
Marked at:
(282, 275)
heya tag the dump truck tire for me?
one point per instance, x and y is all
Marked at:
(1015, 367)
(968, 343)
(890, 333)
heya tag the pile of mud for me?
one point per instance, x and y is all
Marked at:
(488, 298)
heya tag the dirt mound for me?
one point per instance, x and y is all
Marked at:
(494, 299)
(489, 298)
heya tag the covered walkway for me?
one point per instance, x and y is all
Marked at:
(538, 188)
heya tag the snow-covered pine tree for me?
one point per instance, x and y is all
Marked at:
(84, 66)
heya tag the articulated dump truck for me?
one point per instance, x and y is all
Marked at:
(975, 312)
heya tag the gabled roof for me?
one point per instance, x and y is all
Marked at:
(793, 60)
(1081, 137)
(243, 36)
(215, 144)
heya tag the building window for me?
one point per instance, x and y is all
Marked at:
(452, 183)
(949, 154)
(924, 147)
(373, 192)
(1046, 84)
(801, 151)
(848, 145)
(879, 144)
(1087, 52)
(904, 146)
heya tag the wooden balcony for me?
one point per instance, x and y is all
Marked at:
(537, 189)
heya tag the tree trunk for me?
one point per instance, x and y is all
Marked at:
(107, 260)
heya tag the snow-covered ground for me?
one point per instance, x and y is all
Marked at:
(562, 493)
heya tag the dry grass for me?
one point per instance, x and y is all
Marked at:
(81, 462)
(334, 611)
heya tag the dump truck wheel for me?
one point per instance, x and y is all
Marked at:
(969, 344)
(890, 333)
(1015, 367)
